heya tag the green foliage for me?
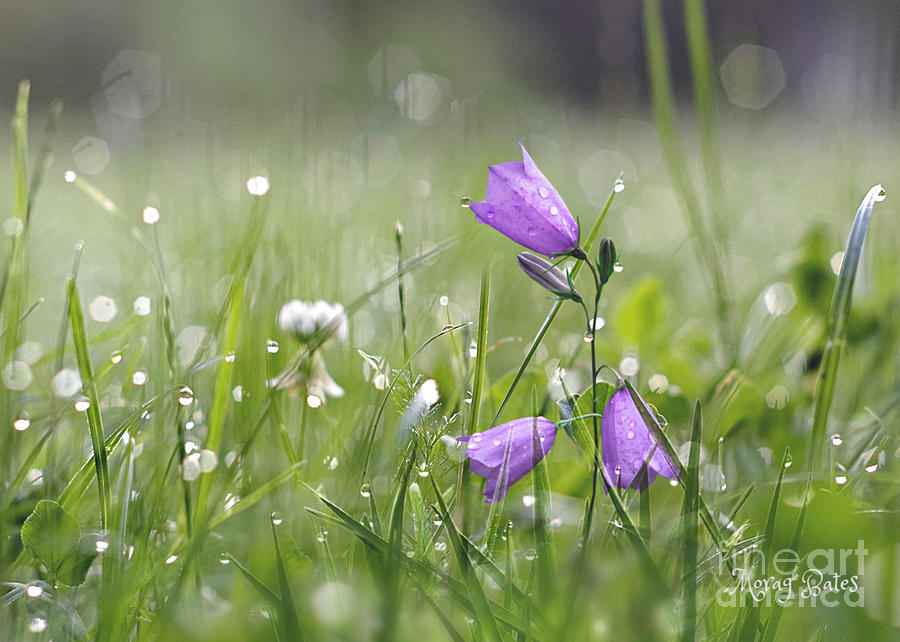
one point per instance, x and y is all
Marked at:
(53, 537)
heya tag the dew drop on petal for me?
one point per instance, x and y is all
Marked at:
(554, 211)
(629, 434)
(543, 191)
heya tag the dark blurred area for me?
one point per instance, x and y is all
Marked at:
(584, 53)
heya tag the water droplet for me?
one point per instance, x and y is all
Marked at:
(237, 393)
(871, 468)
(543, 191)
(321, 537)
(879, 196)
(618, 186)
(673, 482)
(531, 555)
(116, 357)
(597, 323)
(38, 624)
(629, 434)
(477, 438)
(21, 424)
(788, 463)
(473, 351)
(82, 404)
(208, 460)
(438, 522)
(101, 545)
(231, 501)
(141, 306)
(840, 480)
(618, 267)
(365, 490)
(629, 366)
(313, 401)
(272, 346)
(423, 470)
(150, 215)
(185, 396)
(465, 201)
(69, 177)
(229, 357)
(440, 546)
(276, 518)
(224, 560)
(836, 440)
(554, 211)
(34, 590)
(16, 375)
(257, 185)
(444, 300)
(139, 378)
(527, 501)
(330, 462)
(588, 337)
(171, 559)
(496, 442)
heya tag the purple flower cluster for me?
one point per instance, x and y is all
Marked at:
(522, 205)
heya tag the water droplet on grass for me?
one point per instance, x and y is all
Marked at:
(185, 396)
(229, 357)
(588, 337)
(101, 546)
(37, 624)
(840, 480)
(618, 267)
(82, 404)
(224, 560)
(618, 186)
(171, 559)
(34, 590)
(116, 357)
(836, 440)
(272, 346)
(21, 424)
(871, 468)
(276, 518)
(465, 201)
(258, 185)
(139, 378)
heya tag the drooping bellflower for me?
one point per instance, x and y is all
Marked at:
(506, 453)
(522, 204)
(628, 443)
(548, 276)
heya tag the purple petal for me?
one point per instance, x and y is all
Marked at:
(521, 204)
(488, 450)
(627, 443)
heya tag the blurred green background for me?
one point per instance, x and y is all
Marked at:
(363, 114)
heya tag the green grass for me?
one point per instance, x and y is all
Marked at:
(353, 520)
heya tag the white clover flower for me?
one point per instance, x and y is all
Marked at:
(304, 319)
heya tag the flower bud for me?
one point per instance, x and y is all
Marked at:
(607, 259)
(548, 276)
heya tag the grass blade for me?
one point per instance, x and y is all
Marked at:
(289, 619)
(482, 608)
(689, 509)
(95, 423)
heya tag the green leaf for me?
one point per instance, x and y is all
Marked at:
(51, 535)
